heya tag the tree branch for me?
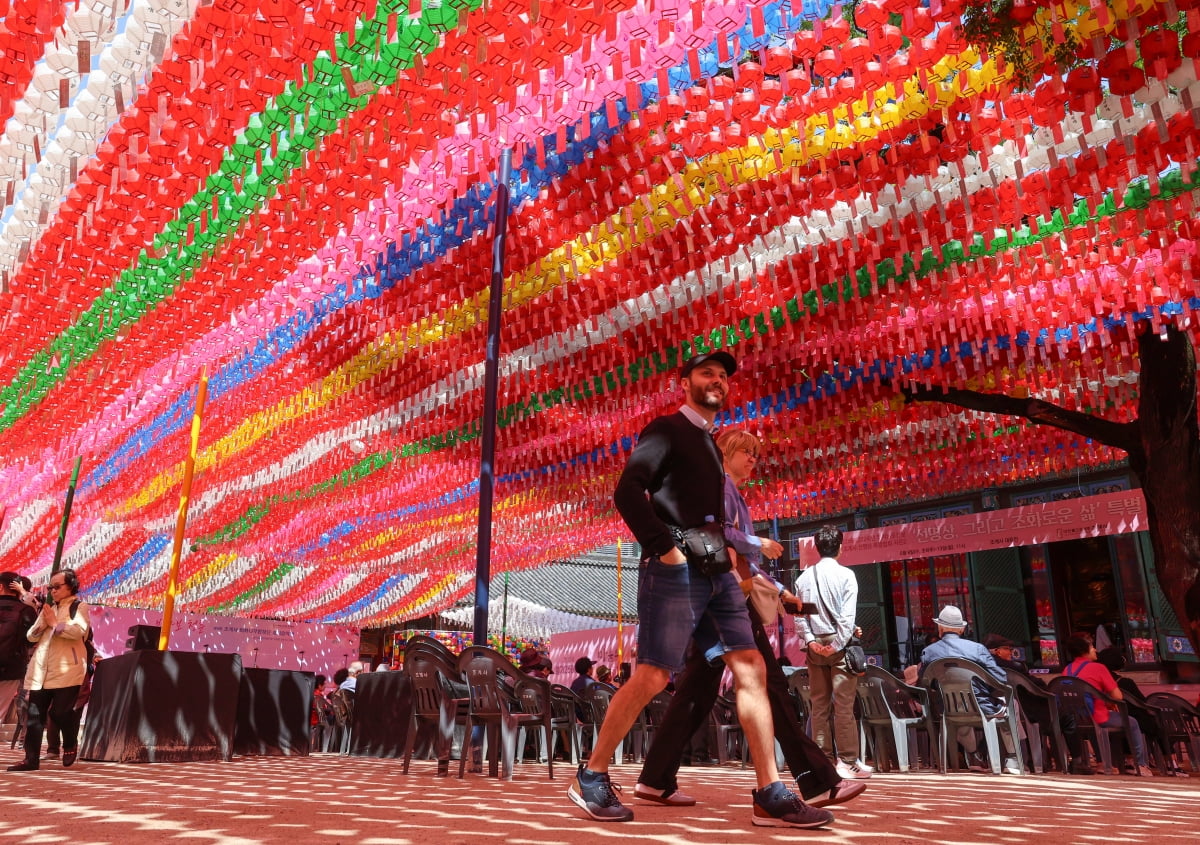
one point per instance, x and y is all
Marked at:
(1122, 436)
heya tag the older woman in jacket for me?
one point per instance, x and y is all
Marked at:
(57, 669)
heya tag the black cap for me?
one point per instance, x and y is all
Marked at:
(992, 641)
(723, 358)
(583, 664)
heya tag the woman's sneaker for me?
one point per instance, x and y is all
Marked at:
(596, 795)
(857, 770)
(778, 806)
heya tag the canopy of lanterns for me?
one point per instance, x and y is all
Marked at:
(296, 198)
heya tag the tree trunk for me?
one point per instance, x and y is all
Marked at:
(1168, 467)
(1163, 445)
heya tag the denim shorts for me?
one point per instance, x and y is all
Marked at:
(675, 604)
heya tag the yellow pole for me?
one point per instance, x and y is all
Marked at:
(181, 520)
(620, 637)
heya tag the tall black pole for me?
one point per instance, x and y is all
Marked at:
(491, 382)
(66, 517)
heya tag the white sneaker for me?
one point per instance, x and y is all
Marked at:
(858, 770)
(1011, 767)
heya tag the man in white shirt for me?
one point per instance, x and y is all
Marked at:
(826, 633)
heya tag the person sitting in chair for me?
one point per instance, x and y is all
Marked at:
(951, 643)
(1036, 709)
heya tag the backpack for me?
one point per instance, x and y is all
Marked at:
(1088, 698)
(89, 643)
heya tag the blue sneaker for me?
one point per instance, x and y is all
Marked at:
(778, 806)
(596, 795)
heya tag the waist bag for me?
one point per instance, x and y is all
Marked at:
(704, 547)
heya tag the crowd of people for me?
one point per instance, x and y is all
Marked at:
(705, 600)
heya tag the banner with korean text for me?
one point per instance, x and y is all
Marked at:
(1121, 512)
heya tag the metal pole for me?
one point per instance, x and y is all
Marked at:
(620, 625)
(181, 519)
(62, 528)
(504, 618)
(777, 574)
(491, 382)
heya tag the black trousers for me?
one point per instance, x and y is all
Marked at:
(695, 694)
(58, 704)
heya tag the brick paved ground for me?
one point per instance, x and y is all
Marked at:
(331, 799)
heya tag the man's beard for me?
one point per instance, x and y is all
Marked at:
(708, 397)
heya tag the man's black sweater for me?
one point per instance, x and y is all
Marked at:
(679, 466)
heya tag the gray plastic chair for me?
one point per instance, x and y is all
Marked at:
(728, 739)
(1075, 696)
(597, 697)
(891, 708)
(952, 681)
(1028, 688)
(798, 683)
(493, 706)
(1180, 722)
(434, 705)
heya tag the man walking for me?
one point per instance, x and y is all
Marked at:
(826, 633)
(697, 689)
(672, 489)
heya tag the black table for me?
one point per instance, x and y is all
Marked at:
(163, 706)
(382, 710)
(274, 707)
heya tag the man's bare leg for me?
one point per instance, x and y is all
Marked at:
(626, 705)
(754, 712)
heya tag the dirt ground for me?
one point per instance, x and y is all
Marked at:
(331, 799)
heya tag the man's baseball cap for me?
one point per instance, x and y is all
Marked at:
(723, 358)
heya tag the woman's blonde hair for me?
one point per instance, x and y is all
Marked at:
(730, 440)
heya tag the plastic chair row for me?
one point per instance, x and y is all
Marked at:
(481, 695)
(896, 717)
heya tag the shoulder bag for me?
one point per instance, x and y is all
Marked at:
(856, 658)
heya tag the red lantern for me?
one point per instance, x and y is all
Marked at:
(1160, 52)
(1123, 78)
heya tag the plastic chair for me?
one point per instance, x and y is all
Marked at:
(566, 707)
(642, 733)
(492, 705)
(1180, 723)
(952, 681)
(728, 739)
(342, 702)
(426, 642)
(1149, 718)
(536, 700)
(891, 708)
(1028, 689)
(798, 684)
(1075, 696)
(597, 697)
(434, 706)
